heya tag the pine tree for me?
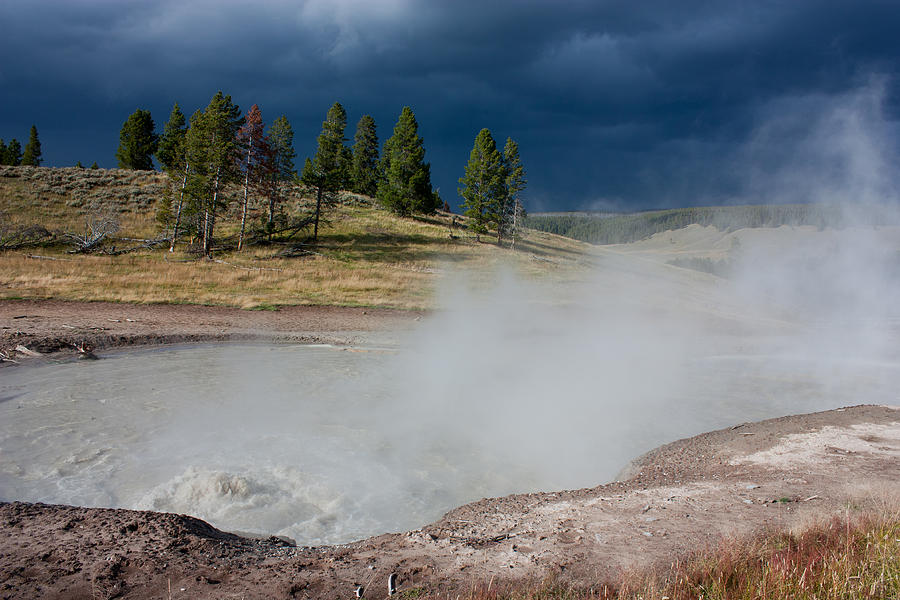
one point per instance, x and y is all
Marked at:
(484, 184)
(327, 171)
(512, 211)
(330, 156)
(95, 166)
(172, 155)
(170, 149)
(211, 153)
(255, 160)
(32, 154)
(3, 151)
(281, 143)
(78, 165)
(405, 187)
(364, 165)
(14, 153)
(137, 142)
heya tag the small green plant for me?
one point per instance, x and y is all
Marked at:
(264, 306)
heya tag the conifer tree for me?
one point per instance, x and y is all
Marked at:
(13, 153)
(137, 142)
(327, 171)
(405, 186)
(211, 154)
(172, 155)
(255, 160)
(330, 156)
(364, 165)
(170, 149)
(484, 184)
(511, 213)
(197, 182)
(3, 151)
(281, 143)
(32, 154)
(95, 166)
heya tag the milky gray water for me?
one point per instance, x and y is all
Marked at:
(327, 445)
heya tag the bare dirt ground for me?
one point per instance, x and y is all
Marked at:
(54, 327)
(683, 496)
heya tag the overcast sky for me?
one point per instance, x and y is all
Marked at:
(615, 104)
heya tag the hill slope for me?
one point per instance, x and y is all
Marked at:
(365, 256)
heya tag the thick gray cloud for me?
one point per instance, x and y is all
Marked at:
(660, 104)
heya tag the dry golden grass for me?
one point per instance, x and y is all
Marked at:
(365, 256)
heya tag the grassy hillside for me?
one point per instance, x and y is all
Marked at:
(365, 255)
(619, 229)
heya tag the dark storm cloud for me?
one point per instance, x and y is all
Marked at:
(610, 103)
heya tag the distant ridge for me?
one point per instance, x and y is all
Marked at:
(622, 228)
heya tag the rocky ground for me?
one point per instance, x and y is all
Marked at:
(680, 497)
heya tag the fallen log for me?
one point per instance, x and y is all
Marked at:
(39, 257)
(23, 350)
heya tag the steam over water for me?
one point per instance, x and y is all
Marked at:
(518, 388)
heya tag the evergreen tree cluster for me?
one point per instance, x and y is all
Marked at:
(400, 178)
(219, 150)
(491, 186)
(207, 157)
(216, 147)
(13, 155)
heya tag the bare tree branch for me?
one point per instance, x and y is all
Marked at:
(98, 226)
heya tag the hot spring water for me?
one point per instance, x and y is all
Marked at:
(328, 445)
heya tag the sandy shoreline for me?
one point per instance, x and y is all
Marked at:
(56, 327)
(690, 493)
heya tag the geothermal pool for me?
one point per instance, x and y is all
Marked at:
(329, 445)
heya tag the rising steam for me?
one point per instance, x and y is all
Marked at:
(514, 387)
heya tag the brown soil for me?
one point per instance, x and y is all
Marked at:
(51, 326)
(680, 497)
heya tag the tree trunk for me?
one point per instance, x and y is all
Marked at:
(211, 217)
(206, 230)
(515, 223)
(246, 188)
(318, 209)
(273, 198)
(178, 212)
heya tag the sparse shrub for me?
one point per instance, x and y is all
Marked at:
(13, 236)
(719, 268)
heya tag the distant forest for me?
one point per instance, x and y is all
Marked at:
(611, 228)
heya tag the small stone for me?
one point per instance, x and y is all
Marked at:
(752, 486)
